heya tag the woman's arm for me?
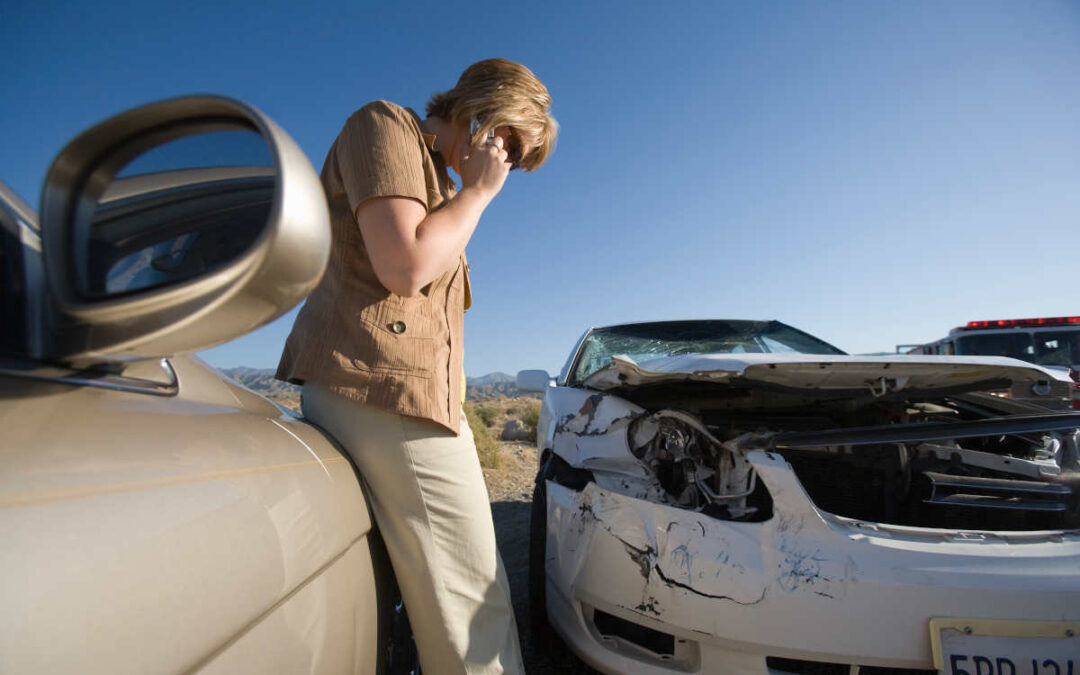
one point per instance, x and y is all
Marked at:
(409, 248)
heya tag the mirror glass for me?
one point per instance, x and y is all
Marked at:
(174, 212)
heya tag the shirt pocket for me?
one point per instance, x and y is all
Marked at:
(398, 342)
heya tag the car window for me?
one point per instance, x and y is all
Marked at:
(176, 211)
(774, 346)
(642, 342)
(172, 231)
(1058, 348)
(1014, 345)
(218, 148)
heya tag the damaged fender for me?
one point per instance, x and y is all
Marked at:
(675, 558)
(593, 437)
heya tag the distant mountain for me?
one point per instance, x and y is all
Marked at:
(492, 379)
(261, 380)
(493, 385)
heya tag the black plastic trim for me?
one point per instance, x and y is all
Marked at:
(933, 431)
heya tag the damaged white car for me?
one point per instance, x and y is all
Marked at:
(741, 497)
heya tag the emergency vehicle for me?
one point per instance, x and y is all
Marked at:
(1052, 342)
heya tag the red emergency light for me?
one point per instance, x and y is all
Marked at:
(1025, 323)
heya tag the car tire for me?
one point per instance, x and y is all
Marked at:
(402, 655)
(538, 620)
(543, 635)
(397, 648)
(552, 467)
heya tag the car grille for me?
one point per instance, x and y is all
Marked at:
(661, 644)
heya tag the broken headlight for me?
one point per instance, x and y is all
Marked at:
(695, 468)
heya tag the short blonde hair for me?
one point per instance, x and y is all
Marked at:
(499, 93)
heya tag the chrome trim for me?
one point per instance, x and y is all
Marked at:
(20, 208)
(101, 380)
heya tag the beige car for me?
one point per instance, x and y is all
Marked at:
(155, 516)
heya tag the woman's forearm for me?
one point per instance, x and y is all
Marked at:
(410, 248)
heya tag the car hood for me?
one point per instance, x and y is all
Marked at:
(824, 373)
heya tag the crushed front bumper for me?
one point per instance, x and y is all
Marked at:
(640, 587)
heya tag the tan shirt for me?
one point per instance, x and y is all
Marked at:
(355, 337)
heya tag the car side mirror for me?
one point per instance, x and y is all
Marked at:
(177, 226)
(533, 380)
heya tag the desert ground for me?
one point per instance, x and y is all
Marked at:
(510, 487)
(509, 470)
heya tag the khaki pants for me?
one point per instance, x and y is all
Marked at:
(431, 505)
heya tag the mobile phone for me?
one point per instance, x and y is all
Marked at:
(474, 126)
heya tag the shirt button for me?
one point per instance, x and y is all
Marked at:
(398, 327)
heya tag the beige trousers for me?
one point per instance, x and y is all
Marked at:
(431, 505)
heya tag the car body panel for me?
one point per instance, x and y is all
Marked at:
(147, 534)
(589, 429)
(747, 590)
(319, 629)
(814, 372)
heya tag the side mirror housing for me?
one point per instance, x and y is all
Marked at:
(175, 227)
(533, 380)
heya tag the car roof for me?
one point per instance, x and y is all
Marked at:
(671, 322)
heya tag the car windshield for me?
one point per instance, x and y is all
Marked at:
(1015, 345)
(645, 341)
(1058, 348)
(1047, 348)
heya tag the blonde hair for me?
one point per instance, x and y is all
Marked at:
(498, 92)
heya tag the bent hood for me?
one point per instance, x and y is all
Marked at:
(825, 372)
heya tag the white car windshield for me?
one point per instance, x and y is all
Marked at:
(645, 341)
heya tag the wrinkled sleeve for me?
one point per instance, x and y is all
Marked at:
(380, 154)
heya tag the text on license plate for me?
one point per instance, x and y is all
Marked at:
(995, 647)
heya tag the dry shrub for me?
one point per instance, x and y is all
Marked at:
(528, 411)
(486, 413)
(487, 448)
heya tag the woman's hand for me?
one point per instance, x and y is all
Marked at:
(484, 167)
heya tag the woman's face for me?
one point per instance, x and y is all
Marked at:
(510, 141)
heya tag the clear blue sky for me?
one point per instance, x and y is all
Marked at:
(871, 172)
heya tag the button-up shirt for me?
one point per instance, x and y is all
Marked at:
(353, 336)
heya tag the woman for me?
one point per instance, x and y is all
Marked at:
(378, 345)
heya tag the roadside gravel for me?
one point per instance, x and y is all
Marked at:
(510, 488)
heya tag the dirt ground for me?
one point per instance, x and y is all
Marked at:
(510, 490)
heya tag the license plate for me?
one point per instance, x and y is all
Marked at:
(995, 647)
